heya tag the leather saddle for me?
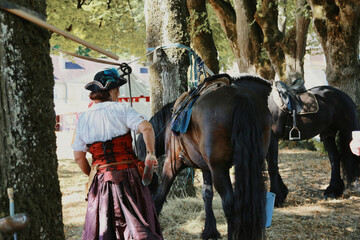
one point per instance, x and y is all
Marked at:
(295, 98)
(183, 105)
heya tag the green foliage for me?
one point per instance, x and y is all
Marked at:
(226, 56)
(305, 144)
(310, 144)
(83, 51)
(191, 22)
(313, 46)
(117, 26)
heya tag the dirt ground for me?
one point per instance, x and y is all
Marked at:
(305, 215)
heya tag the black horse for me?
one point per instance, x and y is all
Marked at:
(336, 116)
(229, 126)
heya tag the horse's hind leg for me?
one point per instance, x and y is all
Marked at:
(223, 186)
(277, 185)
(336, 187)
(210, 231)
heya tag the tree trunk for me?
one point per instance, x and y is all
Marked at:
(250, 41)
(302, 23)
(285, 49)
(244, 35)
(165, 26)
(339, 35)
(201, 35)
(227, 18)
(28, 161)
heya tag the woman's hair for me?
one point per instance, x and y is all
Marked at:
(100, 95)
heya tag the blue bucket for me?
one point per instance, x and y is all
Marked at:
(269, 208)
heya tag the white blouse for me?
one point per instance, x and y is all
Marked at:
(104, 121)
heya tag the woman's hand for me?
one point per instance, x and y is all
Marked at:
(151, 164)
(151, 160)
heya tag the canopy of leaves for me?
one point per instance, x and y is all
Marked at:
(115, 25)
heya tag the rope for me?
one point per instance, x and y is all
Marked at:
(198, 67)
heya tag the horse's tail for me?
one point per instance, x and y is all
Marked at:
(349, 161)
(249, 155)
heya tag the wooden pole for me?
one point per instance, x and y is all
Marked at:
(87, 58)
(10, 192)
(54, 29)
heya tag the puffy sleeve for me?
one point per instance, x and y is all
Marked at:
(78, 141)
(133, 118)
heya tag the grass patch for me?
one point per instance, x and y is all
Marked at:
(305, 215)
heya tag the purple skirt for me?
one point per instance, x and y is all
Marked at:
(120, 207)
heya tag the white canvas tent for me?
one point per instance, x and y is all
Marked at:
(71, 98)
(140, 93)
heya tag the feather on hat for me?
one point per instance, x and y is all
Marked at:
(105, 81)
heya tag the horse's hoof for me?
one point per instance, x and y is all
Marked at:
(333, 193)
(329, 196)
(207, 236)
(280, 199)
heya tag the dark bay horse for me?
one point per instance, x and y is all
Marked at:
(229, 126)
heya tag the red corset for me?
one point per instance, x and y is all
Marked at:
(116, 150)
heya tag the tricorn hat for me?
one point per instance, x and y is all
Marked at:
(105, 81)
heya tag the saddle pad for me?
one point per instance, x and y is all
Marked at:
(183, 105)
(181, 121)
(309, 100)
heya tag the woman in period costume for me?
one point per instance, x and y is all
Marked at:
(119, 205)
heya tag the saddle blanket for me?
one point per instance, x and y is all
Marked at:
(181, 122)
(184, 104)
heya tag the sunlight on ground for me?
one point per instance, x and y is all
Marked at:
(184, 217)
(304, 215)
(72, 184)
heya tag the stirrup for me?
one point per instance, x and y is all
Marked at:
(294, 134)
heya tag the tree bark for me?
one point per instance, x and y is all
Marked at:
(285, 49)
(244, 35)
(165, 26)
(201, 36)
(227, 18)
(337, 24)
(302, 23)
(28, 161)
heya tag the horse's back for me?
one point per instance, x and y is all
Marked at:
(218, 106)
(337, 105)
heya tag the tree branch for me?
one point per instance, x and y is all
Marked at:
(226, 16)
(266, 16)
(202, 38)
(80, 3)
